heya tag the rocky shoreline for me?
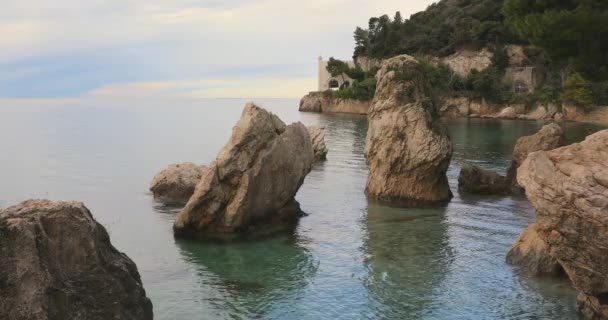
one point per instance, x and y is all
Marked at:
(462, 107)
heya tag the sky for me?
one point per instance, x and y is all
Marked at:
(113, 49)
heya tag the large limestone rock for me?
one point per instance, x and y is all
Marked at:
(473, 179)
(407, 149)
(569, 190)
(549, 137)
(251, 185)
(176, 183)
(317, 134)
(58, 263)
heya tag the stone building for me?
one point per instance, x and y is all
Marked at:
(327, 82)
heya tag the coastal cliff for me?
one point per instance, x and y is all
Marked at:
(326, 103)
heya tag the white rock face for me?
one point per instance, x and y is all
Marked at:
(251, 185)
(407, 149)
(463, 62)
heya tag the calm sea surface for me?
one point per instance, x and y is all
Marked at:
(349, 259)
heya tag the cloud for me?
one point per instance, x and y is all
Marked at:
(72, 48)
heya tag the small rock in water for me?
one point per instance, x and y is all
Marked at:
(476, 180)
(176, 183)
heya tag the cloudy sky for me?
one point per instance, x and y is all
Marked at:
(67, 49)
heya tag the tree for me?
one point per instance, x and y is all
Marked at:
(579, 90)
(398, 20)
(572, 31)
(337, 68)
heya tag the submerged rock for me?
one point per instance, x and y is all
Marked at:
(176, 183)
(474, 179)
(568, 187)
(317, 134)
(58, 263)
(407, 149)
(251, 185)
(549, 137)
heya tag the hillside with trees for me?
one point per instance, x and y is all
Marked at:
(568, 39)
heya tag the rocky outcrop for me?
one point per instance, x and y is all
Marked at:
(311, 103)
(58, 263)
(568, 187)
(250, 187)
(473, 179)
(317, 135)
(599, 114)
(531, 253)
(325, 102)
(176, 183)
(549, 137)
(407, 149)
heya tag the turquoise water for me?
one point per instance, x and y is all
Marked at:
(348, 259)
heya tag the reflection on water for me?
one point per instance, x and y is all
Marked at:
(251, 279)
(408, 255)
(348, 259)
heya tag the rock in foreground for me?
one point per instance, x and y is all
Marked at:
(407, 150)
(569, 190)
(317, 134)
(549, 137)
(251, 185)
(176, 183)
(476, 180)
(58, 263)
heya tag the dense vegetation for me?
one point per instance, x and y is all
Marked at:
(569, 38)
(440, 30)
(364, 83)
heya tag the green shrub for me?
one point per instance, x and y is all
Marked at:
(579, 90)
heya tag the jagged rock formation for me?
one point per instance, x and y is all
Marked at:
(473, 179)
(251, 185)
(407, 149)
(549, 137)
(531, 253)
(58, 263)
(317, 134)
(568, 187)
(176, 183)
